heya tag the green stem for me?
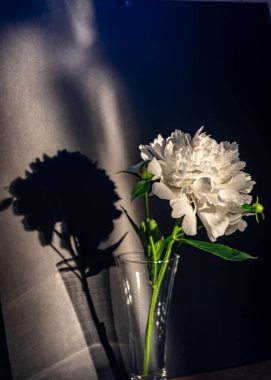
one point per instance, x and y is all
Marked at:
(149, 237)
(147, 210)
(154, 258)
(156, 288)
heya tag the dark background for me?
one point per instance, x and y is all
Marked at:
(187, 64)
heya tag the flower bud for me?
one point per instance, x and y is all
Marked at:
(257, 208)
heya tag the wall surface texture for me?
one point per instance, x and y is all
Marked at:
(99, 78)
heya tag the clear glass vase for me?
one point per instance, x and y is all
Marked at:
(148, 299)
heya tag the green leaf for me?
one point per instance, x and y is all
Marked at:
(140, 170)
(134, 169)
(159, 248)
(138, 231)
(221, 250)
(158, 239)
(140, 188)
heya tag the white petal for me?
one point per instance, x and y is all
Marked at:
(155, 169)
(240, 182)
(198, 132)
(202, 184)
(231, 228)
(234, 218)
(145, 154)
(210, 172)
(245, 198)
(242, 225)
(162, 191)
(239, 225)
(157, 147)
(215, 223)
(189, 224)
(178, 139)
(227, 195)
(182, 207)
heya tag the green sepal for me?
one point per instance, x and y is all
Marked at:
(143, 172)
(246, 206)
(140, 188)
(220, 250)
(134, 169)
(140, 170)
(146, 175)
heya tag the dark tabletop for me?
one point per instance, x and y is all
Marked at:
(260, 371)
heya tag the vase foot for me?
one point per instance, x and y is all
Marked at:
(156, 375)
(149, 377)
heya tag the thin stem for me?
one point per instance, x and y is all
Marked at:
(149, 237)
(147, 209)
(154, 258)
(154, 298)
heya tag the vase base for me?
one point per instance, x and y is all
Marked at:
(156, 375)
(149, 377)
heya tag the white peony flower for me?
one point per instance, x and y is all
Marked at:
(200, 177)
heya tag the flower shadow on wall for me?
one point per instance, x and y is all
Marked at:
(69, 197)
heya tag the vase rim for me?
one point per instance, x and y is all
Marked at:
(121, 257)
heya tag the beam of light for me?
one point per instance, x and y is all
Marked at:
(31, 57)
(102, 83)
(82, 21)
(113, 154)
(31, 121)
(35, 114)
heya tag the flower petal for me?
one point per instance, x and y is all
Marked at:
(239, 224)
(215, 223)
(231, 228)
(198, 132)
(203, 184)
(201, 171)
(155, 169)
(182, 207)
(145, 154)
(242, 225)
(162, 191)
(228, 195)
